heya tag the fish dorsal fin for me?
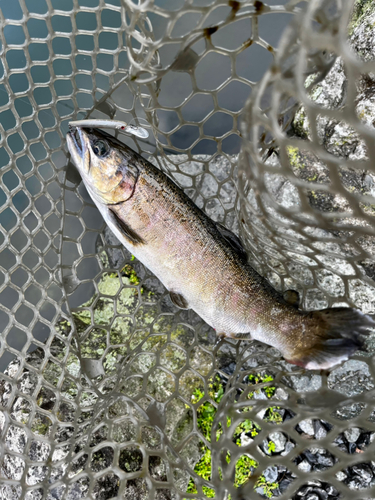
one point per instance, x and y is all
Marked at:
(233, 241)
(291, 297)
(179, 300)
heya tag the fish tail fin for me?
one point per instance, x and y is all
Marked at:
(339, 334)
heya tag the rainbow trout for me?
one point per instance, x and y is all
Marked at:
(202, 264)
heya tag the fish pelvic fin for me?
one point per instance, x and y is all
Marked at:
(340, 333)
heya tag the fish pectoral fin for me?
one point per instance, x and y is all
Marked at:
(128, 233)
(179, 300)
(291, 297)
(233, 241)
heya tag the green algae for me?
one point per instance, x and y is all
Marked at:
(295, 158)
(361, 10)
(245, 465)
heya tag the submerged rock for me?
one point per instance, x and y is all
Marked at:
(351, 378)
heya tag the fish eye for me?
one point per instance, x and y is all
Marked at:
(100, 148)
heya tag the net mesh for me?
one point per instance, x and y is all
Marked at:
(106, 389)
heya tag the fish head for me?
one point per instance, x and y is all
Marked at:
(104, 163)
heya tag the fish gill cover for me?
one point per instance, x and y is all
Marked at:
(107, 390)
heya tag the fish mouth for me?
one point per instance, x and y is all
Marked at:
(78, 149)
(76, 135)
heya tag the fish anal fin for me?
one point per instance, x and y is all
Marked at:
(291, 297)
(179, 300)
(125, 229)
(233, 241)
